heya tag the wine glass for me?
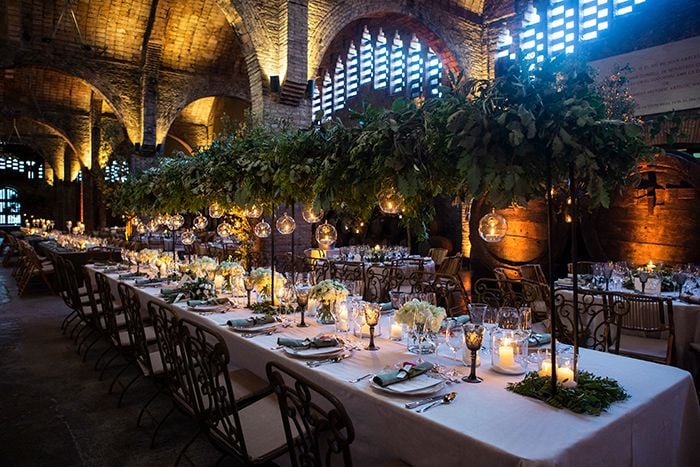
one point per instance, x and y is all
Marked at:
(680, 278)
(508, 318)
(302, 291)
(489, 322)
(643, 278)
(454, 337)
(248, 284)
(608, 269)
(526, 320)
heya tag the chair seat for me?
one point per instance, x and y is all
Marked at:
(244, 382)
(156, 364)
(263, 431)
(124, 337)
(120, 321)
(643, 347)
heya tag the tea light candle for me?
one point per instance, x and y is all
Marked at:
(376, 248)
(506, 356)
(396, 331)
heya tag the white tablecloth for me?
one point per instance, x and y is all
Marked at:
(487, 425)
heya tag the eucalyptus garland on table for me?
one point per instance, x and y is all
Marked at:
(592, 394)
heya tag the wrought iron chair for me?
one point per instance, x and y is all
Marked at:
(645, 328)
(437, 255)
(450, 265)
(236, 410)
(493, 293)
(597, 314)
(114, 322)
(317, 427)
(448, 290)
(584, 267)
(381, 281)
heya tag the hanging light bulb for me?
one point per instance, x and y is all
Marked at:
(262, 229)
(390, 200)
(175, 221)
(188, 237)
(215, 211)
(493, 227)
(286, 224)
(254, 211)
(200, 222)
(311, 214)
(326, 234)
(224, 230)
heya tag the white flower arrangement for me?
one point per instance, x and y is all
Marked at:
(200, 289)
(147, 255)
(262, 278)
(202, 265)
(231, 269)
(164, 259)
(417, 312)
(328, 291)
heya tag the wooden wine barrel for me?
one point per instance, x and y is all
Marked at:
(525, 242)
(658, 220)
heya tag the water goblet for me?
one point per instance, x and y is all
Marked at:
(608, 269)
(372, 315)
(454, 337)
(680, 278)
(248, 284)
(473, 337)
(508, 318)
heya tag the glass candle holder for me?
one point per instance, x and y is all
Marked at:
(473, 337)
(509, 352)
(372, 314)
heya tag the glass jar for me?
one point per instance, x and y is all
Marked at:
(509, 351)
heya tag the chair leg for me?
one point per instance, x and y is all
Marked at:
(145, 407)
(189, 443)
(67, 320)
(116, 377)
(160, 424)
(103, 355)
(87, 349)
(84, 339)
(126, 388)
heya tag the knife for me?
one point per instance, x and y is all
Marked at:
(427, 400)
(314, 364)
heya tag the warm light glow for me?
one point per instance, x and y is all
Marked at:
(224, 230)
(200, 222)
(262, 229)
(326, 235)
(493, 227)
(390, 200)
(286, 224)
(311, 214)
(253, 212)
(215, 211)
(188, 237)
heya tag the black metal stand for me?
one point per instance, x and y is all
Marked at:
(574, 259)
(550, 272)
(472, 378)
(272, 259)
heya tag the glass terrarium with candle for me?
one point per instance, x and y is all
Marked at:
(509, 351)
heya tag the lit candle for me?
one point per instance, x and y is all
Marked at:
(396, 331)
(565, 376)
(546, 368)
(376, 247)
(506, 357)
(343, 323)
(650, 266)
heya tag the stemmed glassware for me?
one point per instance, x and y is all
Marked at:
(454, 337)
(508, 318)
(372, 315)
(302, 290)
(607, 269)
(643, 278)
(248, 284)
(680, 278)
(473, 338)
(526, 320)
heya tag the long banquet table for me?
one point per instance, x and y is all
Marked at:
(487, 425)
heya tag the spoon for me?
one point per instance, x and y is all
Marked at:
(447, 398)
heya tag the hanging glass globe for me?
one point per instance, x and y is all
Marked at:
(286, 224)
(253, 211)
(215, 211)
(200, 222)
(390, 200)
(141, 228)
(152, 226)
(262, 229)
(311, 214)
(326, 234)
(188, 237)
(161, 219)
(224, 230)
(175, 221)
(493, 227)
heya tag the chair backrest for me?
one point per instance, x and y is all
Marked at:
(380, 281)
(104, 291)
(447, 288)
(61, 280)
(317, 426)
(72, 282)
(168, 337)
(597, 313)
(650, 316)
(207, 366)
(497, 293)
(533, 272)
(584, 267)
(437, 255)
(347, 270)
(319, 269)
(450, 265)
(134, 325)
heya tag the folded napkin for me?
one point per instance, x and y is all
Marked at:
(301, 344)
(396, 376)
(132, 275)
(211, 301)
(148, 281)
(167, 291)
(250, 322)
(463, 319)
(690, 298)
(385, 306)
(539, 339)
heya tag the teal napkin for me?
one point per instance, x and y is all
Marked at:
(539, 339)
(148, 281)
(211, 301)
(463, 319)
(300, 344)
(385, 306)
(392, 377)
(250, 322)
(171, 291)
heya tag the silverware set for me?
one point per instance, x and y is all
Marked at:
(317, 363)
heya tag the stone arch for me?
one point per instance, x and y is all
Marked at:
(346, 14)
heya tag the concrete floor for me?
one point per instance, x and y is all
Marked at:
(54, 410)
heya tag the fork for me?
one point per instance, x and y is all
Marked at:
(261, 333)
(357, 380)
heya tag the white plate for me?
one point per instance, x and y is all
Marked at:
(323, 352)
(418, 386)
(255, 328)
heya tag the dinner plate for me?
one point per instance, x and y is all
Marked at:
(255, 328)
(419, 386)
(323, 352)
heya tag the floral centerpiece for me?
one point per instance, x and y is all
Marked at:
(328, 293)
(147, 255)
(423, 320)
(202, 266)
(233, 272)
(262, 280)
(200, 288)
(163, 262)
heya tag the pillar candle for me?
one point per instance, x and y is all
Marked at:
(396, 331)
(506, 357)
